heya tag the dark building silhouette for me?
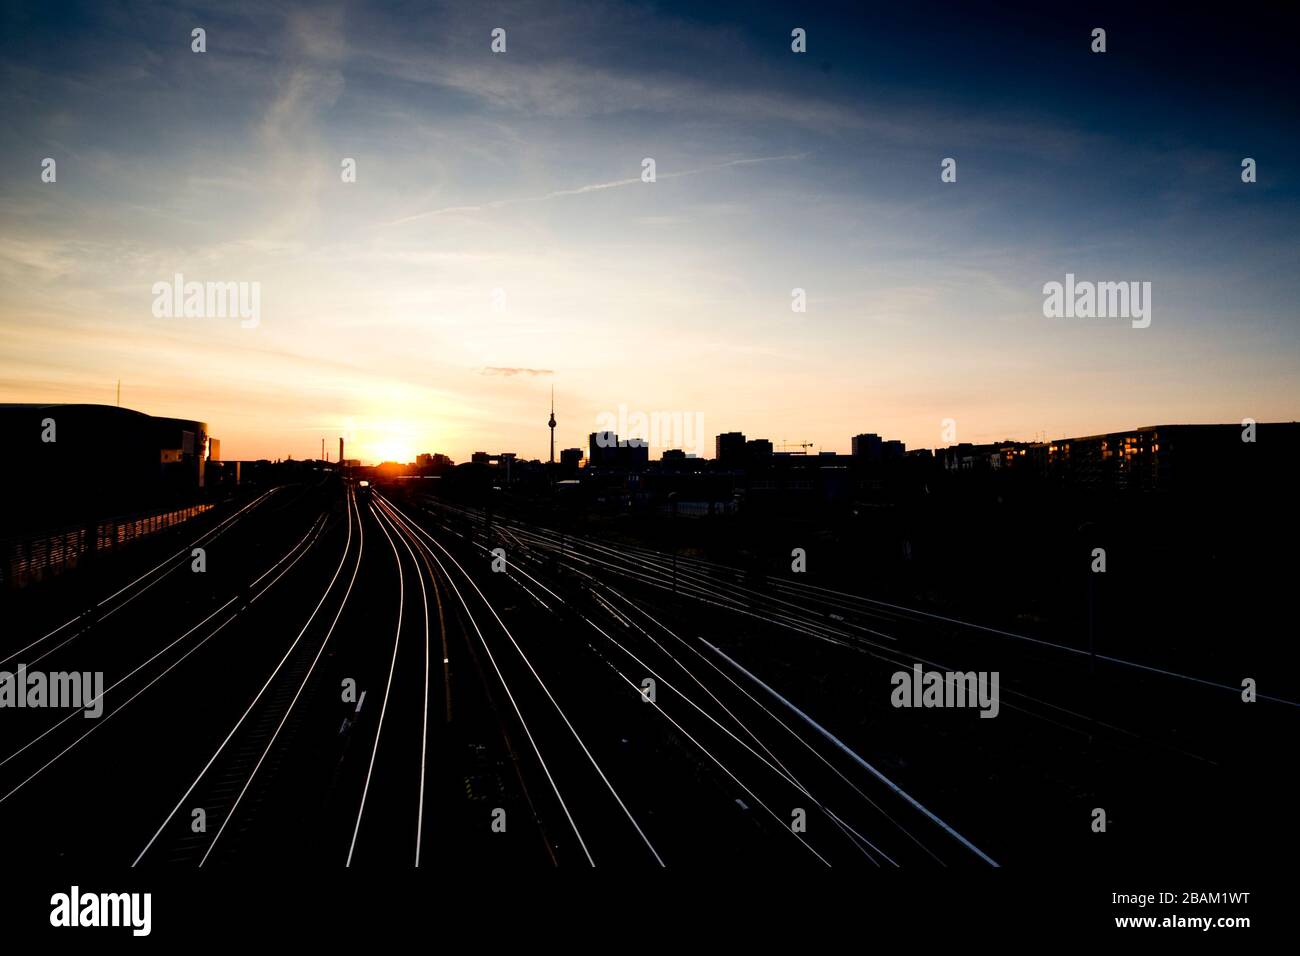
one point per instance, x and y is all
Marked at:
(868, 447)
(103, 460)
(1164, 458)
(1174, 458)
(966, 457)
(432, 464)
(605, 450)
(729, 448)
(597, 445)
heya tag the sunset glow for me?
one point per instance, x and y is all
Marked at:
(497, 243)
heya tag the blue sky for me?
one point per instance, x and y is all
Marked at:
(520, 172)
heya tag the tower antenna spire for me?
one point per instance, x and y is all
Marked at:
(551, 425)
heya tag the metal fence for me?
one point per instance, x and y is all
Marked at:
(30, 559)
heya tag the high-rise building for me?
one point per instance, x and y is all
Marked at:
(599, 445)
(729, 447)
(634, 453)
(868, 447)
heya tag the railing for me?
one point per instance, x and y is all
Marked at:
(30, 559)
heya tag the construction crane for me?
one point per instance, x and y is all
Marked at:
(802, 445)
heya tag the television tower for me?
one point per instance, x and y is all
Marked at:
(551, 425)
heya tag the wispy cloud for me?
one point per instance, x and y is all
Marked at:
(498, 370)
(592, 187)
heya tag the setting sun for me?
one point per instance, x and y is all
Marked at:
(395, 449)
(384, 440)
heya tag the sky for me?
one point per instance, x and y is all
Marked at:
(499, 240)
